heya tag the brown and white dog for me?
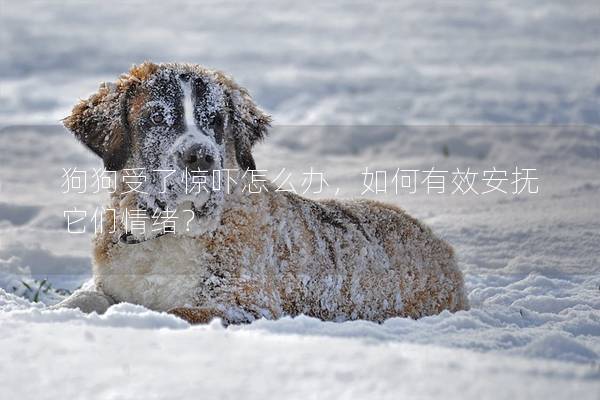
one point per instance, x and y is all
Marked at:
(245, 255)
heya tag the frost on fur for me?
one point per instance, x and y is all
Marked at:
(246, 255)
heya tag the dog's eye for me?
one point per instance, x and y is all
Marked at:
(157, 118)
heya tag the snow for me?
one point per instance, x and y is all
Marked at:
(211, 362)
(496, 84)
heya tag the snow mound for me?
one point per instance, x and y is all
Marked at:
(560, 346)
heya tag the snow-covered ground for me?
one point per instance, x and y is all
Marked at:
(450, 85)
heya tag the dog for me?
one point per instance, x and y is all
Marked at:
(243, 254)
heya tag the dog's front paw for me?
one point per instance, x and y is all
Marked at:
(196, 315)
(86, 301)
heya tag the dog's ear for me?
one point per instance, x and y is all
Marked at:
(250, 125)
(100, 123)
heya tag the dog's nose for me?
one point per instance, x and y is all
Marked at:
(197, 158)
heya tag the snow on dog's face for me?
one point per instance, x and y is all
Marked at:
(177, 124)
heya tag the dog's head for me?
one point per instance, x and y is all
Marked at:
(172, 121)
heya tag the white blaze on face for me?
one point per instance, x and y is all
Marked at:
(193, 134)
(188, 105)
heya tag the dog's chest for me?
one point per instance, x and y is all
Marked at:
(160, 274)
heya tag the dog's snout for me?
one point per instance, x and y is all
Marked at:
(197, 158)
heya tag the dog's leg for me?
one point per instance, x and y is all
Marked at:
(197, 315)
(87, 301)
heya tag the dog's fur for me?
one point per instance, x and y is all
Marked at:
(248, 255)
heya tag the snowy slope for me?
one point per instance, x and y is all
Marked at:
(450, 85)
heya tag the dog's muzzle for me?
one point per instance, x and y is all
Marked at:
(197, 157)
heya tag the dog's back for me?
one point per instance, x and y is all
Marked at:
(373, 261)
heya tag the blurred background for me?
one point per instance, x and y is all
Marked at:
(389, 62)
